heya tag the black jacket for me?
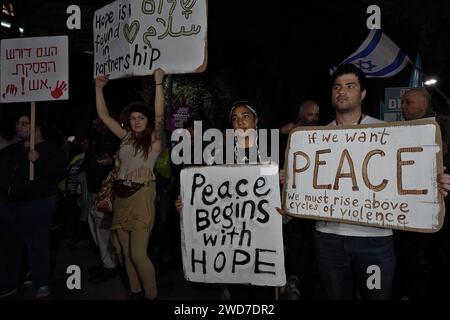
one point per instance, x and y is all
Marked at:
(49, 170)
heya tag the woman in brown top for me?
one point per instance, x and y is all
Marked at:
(134, 215)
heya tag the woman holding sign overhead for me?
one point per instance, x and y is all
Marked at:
(134, 186)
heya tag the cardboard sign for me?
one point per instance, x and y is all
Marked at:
(230, 229)
(135, 37)
(34, 69)
(382, 175)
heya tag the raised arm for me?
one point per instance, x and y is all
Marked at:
(102, 109)
(159, 111)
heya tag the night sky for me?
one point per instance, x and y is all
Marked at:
(273, 53)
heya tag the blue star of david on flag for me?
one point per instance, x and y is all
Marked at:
(365, 65)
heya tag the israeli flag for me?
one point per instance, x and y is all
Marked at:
(378, 56)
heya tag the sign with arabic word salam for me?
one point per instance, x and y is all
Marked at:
(34, 69)
(380, 175)
(230, 229)
(135, 37)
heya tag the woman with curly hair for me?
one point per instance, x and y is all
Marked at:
(133, 208)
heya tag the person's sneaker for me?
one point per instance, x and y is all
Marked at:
(7, 293)
(104, 275)
(155, 299)
(28, 280)
(43, 293)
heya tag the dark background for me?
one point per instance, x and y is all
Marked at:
(273, 53)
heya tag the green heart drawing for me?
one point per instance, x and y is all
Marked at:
(130, 31)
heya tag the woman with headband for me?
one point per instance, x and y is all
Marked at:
(244, 121)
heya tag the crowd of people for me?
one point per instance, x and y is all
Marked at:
(323, 260)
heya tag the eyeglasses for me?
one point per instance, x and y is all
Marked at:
(23, 123)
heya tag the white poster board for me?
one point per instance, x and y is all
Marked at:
(34, 69)
(382, 175)
(135, 37)
(230, 229)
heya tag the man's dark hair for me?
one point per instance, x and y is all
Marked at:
(350, 69)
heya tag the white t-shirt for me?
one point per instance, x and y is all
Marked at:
(344, 229)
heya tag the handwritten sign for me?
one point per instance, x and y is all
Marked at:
(382, 175)
(34, 69)
(231, 232)
(135, 37)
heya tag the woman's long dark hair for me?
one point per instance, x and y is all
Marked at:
(143, 141)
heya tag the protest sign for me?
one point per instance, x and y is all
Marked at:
(231, 231)
(382, 175)
(135, 37)
(34, 69)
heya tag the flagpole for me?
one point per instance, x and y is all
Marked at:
(425, 76)
(32, 137)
